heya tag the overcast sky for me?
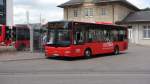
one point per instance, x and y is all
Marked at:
(48, 11)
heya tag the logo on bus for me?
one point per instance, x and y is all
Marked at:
(108, 45)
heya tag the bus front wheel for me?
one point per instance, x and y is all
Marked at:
(88, 53)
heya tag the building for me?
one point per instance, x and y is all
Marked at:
(6, 12)
(111, 11)
(139, 23)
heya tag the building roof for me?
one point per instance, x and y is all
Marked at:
(80, 2)
(122, 2)
(140, 16)
(71, 3)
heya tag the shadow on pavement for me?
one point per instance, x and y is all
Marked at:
(82, 58)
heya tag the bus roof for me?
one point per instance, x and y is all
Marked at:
(21, 27)
(98, 23)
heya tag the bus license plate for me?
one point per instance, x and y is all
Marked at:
(55, 54)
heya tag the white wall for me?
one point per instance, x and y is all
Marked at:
(137, 34)
(142, 40)
(9, 13)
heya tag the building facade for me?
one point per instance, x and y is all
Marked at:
(111, 11)
(6, 12)
(139, 23)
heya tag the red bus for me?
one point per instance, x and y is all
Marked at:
(2, 33)
(18, 34)
(75, 39)
(21, 37)
(5, 35)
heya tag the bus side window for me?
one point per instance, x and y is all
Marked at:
(8, 33)
(100, 36)
(106, 36)
(115, 35)
(79, 38)
(14, 34)
(121, 35)
(92, 36)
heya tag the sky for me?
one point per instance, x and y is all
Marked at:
(47, 10)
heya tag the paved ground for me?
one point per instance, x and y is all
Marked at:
(131, 67)
(10, 54)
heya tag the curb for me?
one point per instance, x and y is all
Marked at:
(21, 59)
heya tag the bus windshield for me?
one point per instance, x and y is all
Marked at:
(58, 37)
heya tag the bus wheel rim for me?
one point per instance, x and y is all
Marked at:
(116, 51)
(87, 53)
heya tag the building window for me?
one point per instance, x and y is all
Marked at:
(146, 32)
(103, 11)
(1, 2)
(76, 12)
(88, 11)
(3, 11)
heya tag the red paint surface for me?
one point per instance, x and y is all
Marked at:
(78, 50)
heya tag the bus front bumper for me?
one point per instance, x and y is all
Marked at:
(58, 52)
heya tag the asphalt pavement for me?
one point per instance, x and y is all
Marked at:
(130, 67)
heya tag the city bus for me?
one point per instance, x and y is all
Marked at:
(76, 39)
(21, 37)
(2, 33)
(5, 35)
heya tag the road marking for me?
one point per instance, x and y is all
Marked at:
(79, 75)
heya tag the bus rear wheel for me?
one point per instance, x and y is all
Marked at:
(116, 50)
(88, 53)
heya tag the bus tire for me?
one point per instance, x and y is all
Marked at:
(88, 53)
(116, 50)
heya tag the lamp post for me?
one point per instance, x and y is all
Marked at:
(31, 32)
